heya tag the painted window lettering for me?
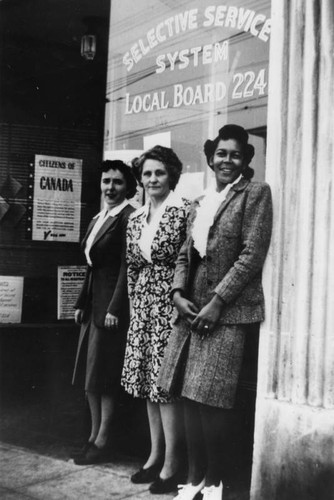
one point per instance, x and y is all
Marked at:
(230, 17)
(208, 54)
(246, 84)
(182, 96)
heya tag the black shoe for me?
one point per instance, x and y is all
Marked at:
(94, 455)
(168, 485)
(82, 451)
(146, 475)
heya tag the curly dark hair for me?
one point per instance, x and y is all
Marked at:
(238, 133)
(166, 156)
(127, 172)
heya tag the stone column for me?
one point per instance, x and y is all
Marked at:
(294, 428)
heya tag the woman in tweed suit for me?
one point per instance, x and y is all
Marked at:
(217, 291)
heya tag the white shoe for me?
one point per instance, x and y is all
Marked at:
(188, 491)
(213, 492)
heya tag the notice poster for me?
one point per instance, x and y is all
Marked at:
(70, 280)
(57, 196)
(11, 293)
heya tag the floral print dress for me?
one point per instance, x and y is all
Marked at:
(149, 285)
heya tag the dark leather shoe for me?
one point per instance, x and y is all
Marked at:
(82, 451)
(93, 455)
(146, 475)
(168, 485)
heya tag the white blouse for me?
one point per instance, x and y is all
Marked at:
(205, 214)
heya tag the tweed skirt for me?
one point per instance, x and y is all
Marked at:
(206, 371)
(99, 359)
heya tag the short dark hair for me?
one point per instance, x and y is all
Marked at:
(238, 133)
(129, 177)
(166, 156)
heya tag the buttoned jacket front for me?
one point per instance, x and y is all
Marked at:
(105, 286)
(237, 245)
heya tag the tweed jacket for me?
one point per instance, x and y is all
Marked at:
(105, 286)
(237, 245)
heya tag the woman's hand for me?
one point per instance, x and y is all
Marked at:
(111, 322)
(185, 307)
(78, 315)
(208, 317)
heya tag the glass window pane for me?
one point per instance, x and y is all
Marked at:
(182, 70)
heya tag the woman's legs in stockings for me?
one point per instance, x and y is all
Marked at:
(102, 407)
(217, 425)
(207, 429)
(156, 433)
(165, 430)
(196, 451)
(171, 418)
(95, 414)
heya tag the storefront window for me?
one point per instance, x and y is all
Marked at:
(180, 70)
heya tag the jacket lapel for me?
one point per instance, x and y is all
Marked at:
(89, 230)
(241, 186)
(104, 228)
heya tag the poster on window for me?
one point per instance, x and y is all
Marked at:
(56, 202)
(70, 280)
(11, 293)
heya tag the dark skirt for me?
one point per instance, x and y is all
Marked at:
(99, 358)
(206, 371)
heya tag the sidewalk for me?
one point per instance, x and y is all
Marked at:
(27, 475)
(40, 425)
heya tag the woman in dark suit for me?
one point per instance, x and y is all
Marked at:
(102, 307)
(217, 291)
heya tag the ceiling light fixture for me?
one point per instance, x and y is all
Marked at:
(88, 46)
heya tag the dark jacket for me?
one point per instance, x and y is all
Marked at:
(105, 286)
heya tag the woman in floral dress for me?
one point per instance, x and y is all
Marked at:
(155, 234)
